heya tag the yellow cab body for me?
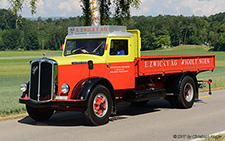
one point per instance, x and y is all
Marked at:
(119, 70)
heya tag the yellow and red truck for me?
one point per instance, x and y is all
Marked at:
(101, 64)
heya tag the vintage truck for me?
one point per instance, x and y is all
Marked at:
(101, 65)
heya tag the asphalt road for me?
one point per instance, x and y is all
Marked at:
(156, 121)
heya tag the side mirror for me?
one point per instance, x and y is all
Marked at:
(90, 65)
(62, 47)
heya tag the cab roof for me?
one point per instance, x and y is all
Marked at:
(98, 31)
(113, 34)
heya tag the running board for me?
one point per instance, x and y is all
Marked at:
(143, 95)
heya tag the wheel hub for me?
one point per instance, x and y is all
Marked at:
(188, 92)
(100, 105)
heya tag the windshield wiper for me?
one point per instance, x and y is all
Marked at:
(98, 47)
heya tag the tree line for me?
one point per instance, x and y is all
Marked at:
(156, 32)
(162, 31)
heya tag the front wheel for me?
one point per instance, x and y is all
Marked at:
(39, 114)
(99, 106)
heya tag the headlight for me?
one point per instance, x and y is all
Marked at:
(23, 87)
(65, 88)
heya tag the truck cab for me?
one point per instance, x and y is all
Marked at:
(112, 51)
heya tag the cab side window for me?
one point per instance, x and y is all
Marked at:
(119, 47)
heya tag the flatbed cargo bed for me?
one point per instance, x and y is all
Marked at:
(169, 64)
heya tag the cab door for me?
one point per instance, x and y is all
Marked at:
(120, 63)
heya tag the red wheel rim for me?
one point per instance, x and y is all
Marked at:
(100, 105)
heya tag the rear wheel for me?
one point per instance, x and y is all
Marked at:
(186, 94)
(39, 114)
(99, 106)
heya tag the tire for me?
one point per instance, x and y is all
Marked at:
(187, 93)
(99, 106)
(39, 114)
(173, 101)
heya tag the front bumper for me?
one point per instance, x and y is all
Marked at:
(61, 103)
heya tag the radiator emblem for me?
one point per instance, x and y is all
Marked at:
(34, 69)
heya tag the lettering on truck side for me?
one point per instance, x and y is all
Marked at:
(167, 63)
(184, 62)
(119, 69)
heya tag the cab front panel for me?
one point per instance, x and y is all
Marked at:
(120, 75)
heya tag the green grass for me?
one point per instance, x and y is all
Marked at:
(15, 69)
(216, 138)
(218, 76)
(27, 53)
(184, 49)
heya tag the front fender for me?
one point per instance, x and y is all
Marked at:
(89, 84)
(83, 89)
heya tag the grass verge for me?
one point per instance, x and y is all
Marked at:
(216, 138)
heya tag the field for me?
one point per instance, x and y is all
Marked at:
(15, 69)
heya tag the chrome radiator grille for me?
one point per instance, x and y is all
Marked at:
(42, 79)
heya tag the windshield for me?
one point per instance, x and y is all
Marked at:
(85, 46)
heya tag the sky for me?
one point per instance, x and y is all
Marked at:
(71, 8)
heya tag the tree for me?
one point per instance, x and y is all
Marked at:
(7, 19)
(31, 40)
(105, 11)
(212, 37)
(86, 12)
(122, 10)
(12, 39)
(56, 38)
(2, 46)
(17, 5)
(148, 41)
(163, 40)
(174, 33)
(220, 44)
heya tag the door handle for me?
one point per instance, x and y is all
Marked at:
(108, 65)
